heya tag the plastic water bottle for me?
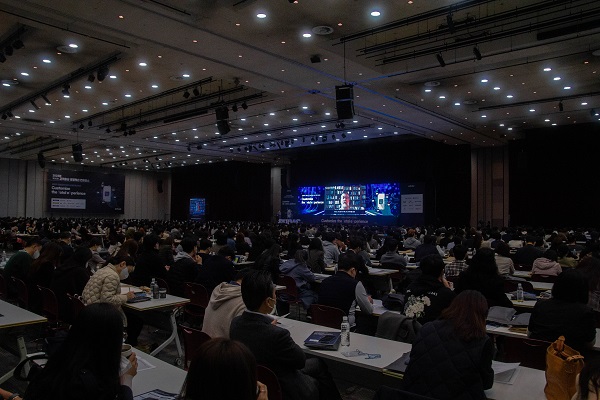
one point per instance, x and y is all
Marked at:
(519, 292)
(155, 289)
(345, 330)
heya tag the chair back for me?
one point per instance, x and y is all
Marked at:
(49, 304)
(22, 292)
(290, 291)
(76, 305)
(197, 294)
(326, 316)
(523, 267)
(268, 377)
(192, 339)
(388, 265)
(543, 278)
(163, 284)
(530, 353)
(511, 286)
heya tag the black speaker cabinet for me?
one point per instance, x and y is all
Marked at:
(77, 152)
(344, 101)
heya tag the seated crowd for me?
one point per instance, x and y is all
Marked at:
(91, 257)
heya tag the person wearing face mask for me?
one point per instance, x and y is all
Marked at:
(96, 261)
(19, 265)
(273, 347)
(105, 287)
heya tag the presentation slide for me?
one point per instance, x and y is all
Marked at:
(310, 200)
(345, 200)
(86, 192)
(197, 208)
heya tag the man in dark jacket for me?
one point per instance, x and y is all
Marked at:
(273, 347)
(527, 254)
(185, 268)
(217, 269)
(431, 285)
(148, 264)
(428, 247)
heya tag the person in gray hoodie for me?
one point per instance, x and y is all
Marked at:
(302, 275)
(224, 305)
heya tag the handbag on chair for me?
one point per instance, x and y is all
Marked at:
(562, 366)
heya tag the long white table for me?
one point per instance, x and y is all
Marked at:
(165, 376)
(170, 302)
(13, 316)
(527, 380)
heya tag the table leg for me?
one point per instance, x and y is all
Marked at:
(173, 336)
(22, 355)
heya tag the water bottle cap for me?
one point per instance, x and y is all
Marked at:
(344, 318)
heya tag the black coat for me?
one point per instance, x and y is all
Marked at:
(68, 279)
(274, 348)
(183, 270)
(491, 287)
(439, 295)
(215, 270)
(148, 265)
(446, 368)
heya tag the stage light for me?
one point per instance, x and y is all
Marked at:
(196, 92)
(4, 116)
(477, 53)
(189, 148)
(8, 50)
(91, 78)
(46, 100)
(81, 126)
(198, 147)
(90, 123)
(77, 152)
(186, 94)
(65, 89)
(10, 114)
(450, 23)
(102, 73)
(18, 44)
(108, 130)
(234, 108)
(560, 106)
(343, 136)
(244, 106)
(2, 57)
(34, 105)
(440, 60)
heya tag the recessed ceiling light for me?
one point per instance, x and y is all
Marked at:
(306, 35)
(546, 120)
(261, 15)
(496, 88)
(484, 81)
(501, 124)
(87, 87)
(127, 95)
(84, 110)
(554, 124)
(143, 64)
(113, 77)
(567, 87)
(67, 116)
(305, 108)
(154, 86)
(532, 110)
(557, 78)
(427, 90)
(186, 75)
(457, 104)
(484, 116)
(73, 46)
(104, 104)
(547, 69)
(24, 74)
(46, 61)
(442, 97)
(510, 96)
(375, 13)
(584, 103)
(51, 122)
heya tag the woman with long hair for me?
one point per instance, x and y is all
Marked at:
(87, 363)
(451, 357)
(223, 369)
(316, 256)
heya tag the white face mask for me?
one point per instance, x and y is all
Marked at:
(36, 254)
(124, 274)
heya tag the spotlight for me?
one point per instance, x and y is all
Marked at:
(125, 133)
(196, 92)
(222, 113)
(560, 106)
(65, 89)
(2, 57)
(77, 152)
(102, 73)
(146, 160)
(440, 60)
(4, 116)
(477, 53)
(123, 126)
(234, 108)
(90, 123)
(332, 137)
(189, 148)
(8, 50)
(81, 126)
(18, 44)
(450, 23)
(91, 78)
(343, 136)
(198, 147)
(108, 130)
(324, 139)
(315, 59)
(46, 100)
(244, 106)
(239, 149)
(312, 139)
(34, 105)
(186, 94)
(223, 127)
(10, 114)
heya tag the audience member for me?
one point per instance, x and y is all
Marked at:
(451, 357)
(546, 265)
(273, 347)
(270, 260)
(297, 269)
(430, 288)
(527, 254)
(411, 242)
(148, 264)
(566, 313)
(96, 261)
(344, 291)
(223, 369)
(316, 256)
(391, 258)
(482, 275)
(565, 257)
(588, 381)
(71, 277)
(459, 264)
(428, 247)
(225, 304)
(65, 243)
(87, 363)
(217, 269)
(185, 268)
(590, 268)
(330, 249)
(19, 264)
(503, 260)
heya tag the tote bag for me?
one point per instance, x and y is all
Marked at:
(562, 366)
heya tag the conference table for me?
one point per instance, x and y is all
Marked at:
(156, 374)
(170, 302)
(525, 380)
(12, 316)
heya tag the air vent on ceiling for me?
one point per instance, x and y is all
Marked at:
(36, 121)
(322, 30)
(469, 102)
(432, 84)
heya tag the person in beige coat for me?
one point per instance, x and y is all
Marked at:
(105, 287)
(224, 305)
